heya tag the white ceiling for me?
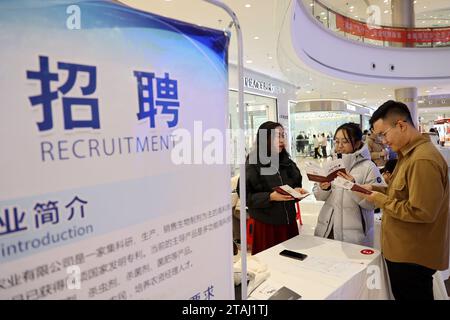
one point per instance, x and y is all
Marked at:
(260, 23)
(256, 21)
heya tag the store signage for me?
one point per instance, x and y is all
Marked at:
(262, 86)
(434, 101)
(350, 107)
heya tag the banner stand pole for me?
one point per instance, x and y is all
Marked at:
(241, 146)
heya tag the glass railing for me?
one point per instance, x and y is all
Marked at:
(370, 33)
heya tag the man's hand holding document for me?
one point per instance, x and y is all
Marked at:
(347, 184)
(298, 194)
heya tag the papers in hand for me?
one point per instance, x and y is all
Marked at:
(346, 184)
(327, 173)
(289, 191)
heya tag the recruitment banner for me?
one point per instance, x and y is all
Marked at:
(403, 35)
(93, 98)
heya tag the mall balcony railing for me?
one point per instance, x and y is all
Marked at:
(379, 35)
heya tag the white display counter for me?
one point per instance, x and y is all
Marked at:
(332, 270)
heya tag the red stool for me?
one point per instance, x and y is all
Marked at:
(299, 216)
(250, 231)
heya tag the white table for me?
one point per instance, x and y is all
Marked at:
(439, 290)
(332, 270)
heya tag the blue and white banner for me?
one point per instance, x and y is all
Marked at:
(92, 205)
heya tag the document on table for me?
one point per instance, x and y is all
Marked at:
(265, 290)
(329, 266)
(271, 290)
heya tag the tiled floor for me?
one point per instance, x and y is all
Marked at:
(309, 207)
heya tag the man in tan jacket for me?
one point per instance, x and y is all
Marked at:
(415, 222)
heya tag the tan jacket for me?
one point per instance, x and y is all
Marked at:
(415, 223)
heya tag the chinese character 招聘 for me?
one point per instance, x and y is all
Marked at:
(45, 77)
(166, 97)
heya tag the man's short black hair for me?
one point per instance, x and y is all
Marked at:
(391, 109)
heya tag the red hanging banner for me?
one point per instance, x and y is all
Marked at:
(402, 35)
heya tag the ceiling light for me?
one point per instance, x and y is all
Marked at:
(322, 13)
(352, 7)
(415, 1)
(386, 11)
(270, 57)
(308, 91)
(344, 92)
(248, 5)
(256, 38)
(249, 61)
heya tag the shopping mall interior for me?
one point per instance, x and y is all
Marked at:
(313, 65)
(313, 89)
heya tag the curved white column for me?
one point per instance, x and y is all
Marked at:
(325, 51)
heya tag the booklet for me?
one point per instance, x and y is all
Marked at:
(327, 173)
(284, 293)
(288, 190)
(346, 184)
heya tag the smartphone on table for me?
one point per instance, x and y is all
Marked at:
(293, 254)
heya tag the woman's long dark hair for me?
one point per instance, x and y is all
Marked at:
(268, 127)
(352, 132)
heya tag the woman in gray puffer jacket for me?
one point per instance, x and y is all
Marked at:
(344, 215)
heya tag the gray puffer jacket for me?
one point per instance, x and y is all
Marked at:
(349, 216)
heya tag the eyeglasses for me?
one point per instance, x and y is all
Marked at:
(343, 141)
(382, 136)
